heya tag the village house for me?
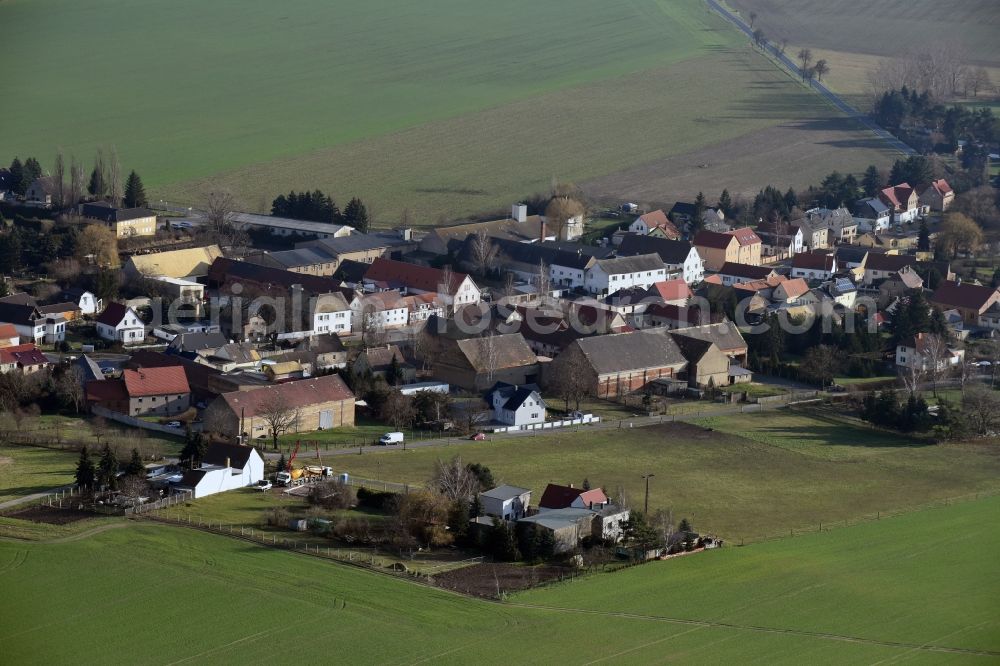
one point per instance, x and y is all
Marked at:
(567, 263)
(230, 356)
(331, 313)
(379, 362)
(783, 233)
(682, 213)
(125, 222)
(903, 201)
(839, 225)
(317, 403)
(305, 260)
(850, 256)
(815, 235)
(120, 323)
(896, 285)
(677, 256)
(519, 227)
(708, 366)
(506, 502)
(791, 292)
(715, 249)
(609, 276)
(725, 335)
(655, 221)
(872, 215)
(86, 302)
(920, 351)
(26, 359)
(733, 273)
(971, 300)
(224, 467)
(937, 195)
(749, 246)
(157, 391)
(360, 248)
(814, 265)
(517, 406)
(40, 192)
(31, 324)
(385, 274)
(879, 266)
(570, 497)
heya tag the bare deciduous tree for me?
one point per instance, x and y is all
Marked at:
(560, 210)
(59, 176)
(76, 181)
(279, 416)
(936, 358)
(978, 79)
(454, 480)
(372, 327)
(220, 226)
(571, 378)
(981, 406)
(805, 59)
(822, 68)
(115, 182)
(489, 354)
(398, 410)
(484, 252)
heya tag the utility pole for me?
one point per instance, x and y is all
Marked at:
(647, 477)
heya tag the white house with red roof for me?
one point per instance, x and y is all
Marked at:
(922, 349)
(385, 274)
(656, 220)
(903, 201)
(120, 323)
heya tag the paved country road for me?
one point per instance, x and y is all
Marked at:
(831, 96)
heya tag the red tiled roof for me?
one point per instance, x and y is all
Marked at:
(963, 295)
(680, 313)
(23, 355)
(896, 195)
(745, 236)
(713, 239)
(155, 381)
(401, 273)
(671, 290)
(942, 186)
(658, 218)
(561, 497)
(316, 390)
(106, 390)
(795, 287)
(7, 331)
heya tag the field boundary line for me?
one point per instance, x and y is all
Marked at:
(759, 629)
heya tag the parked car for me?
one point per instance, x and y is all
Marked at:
(575, 415)
(174, 424)
(264, 485)
(478, 437)
(391, 438)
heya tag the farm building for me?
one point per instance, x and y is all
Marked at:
(507, 502)
(316, 403)
(224, 467)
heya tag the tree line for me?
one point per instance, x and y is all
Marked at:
(70, 186)
(316, 206)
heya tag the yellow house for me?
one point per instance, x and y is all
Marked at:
(715, 249)
(125, 222)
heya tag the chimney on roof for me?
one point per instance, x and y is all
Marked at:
(227, 462)
(519, 212)
(571, 485)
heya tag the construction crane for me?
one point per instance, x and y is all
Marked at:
(291, 476)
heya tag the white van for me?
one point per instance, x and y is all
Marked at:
(391, 438)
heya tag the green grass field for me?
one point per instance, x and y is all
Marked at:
(449, 109)
(752, 476)
(896, 589)
(25, 470)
